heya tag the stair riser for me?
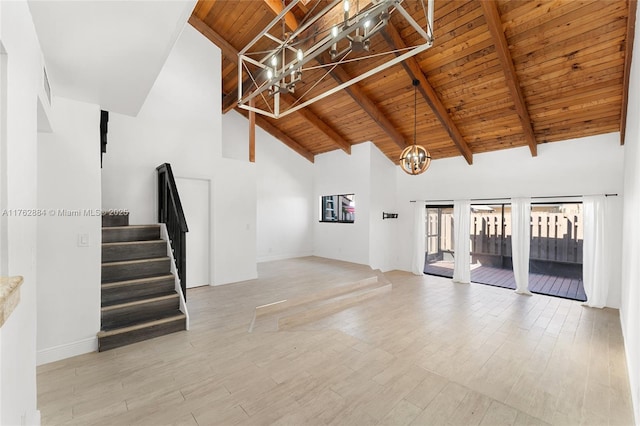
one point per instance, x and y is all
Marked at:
(115, 220)
(115, 235)
(111, 342)
(134, 251)
(124, 272)
(127, 316)
(111, 296)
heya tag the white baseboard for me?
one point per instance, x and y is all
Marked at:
(235, 279)
(33, 419)
(271, 258)
(67, 350)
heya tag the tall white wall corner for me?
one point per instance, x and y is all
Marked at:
(234, 219)
(69, 190)
(44, 101)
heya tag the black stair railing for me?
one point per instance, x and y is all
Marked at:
(170, 213)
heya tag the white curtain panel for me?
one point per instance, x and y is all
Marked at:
(520, 242)
(594, 277)
(461, 231)
(419, 235)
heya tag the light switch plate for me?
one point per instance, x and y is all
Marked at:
(83, 240)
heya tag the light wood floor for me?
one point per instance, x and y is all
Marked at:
(428, 352)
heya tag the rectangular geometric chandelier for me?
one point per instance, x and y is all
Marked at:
(283, 70)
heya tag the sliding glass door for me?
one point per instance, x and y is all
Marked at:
(491, 245)
(439, 241)
(555, 257)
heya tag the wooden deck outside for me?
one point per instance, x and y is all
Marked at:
(568, 288)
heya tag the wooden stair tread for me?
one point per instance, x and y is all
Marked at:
(137, 281)
(140, 301)
(138, 296)
(131, 262)
(125, 243)
(136, 299)
(173, 317)
(130, 227)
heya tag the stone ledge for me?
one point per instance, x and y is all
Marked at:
(9, 296)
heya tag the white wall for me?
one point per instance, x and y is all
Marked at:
(235, 136)
(177, 124)
(234, 253)
(180, 124)
(69, 275)
(285, 200)
(18, 334)
(630, 309)
(284, 190)
(583, 166)
(382, 240)
(338, 173)
(613, 260)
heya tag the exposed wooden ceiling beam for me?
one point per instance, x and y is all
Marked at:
(494, 22)
(263, 123)
(227, 49)
(357, 94)
(308, 114)
(628, 53)
(412, 67)
(252, 132)
(338, 74)
(289, 18)
(231, 100)
(203, 8)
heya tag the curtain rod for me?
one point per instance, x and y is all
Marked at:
(508, 198)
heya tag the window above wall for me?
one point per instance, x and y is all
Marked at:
(338, 208)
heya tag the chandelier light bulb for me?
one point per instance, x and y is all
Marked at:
(367, 23)
(334, 32)
(345, 4)
(274, 61)
(300, 55)
(269, 74)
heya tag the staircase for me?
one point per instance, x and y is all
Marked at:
(139, 299)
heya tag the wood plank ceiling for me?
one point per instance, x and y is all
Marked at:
(501, 74)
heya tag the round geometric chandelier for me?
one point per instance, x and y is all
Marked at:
(415, 159)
